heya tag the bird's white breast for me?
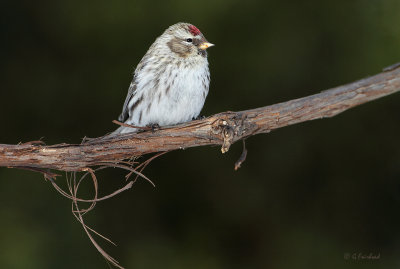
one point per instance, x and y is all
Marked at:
(174, 95)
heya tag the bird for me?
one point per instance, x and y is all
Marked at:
(171, 82)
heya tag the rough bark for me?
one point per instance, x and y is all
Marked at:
(220, 129)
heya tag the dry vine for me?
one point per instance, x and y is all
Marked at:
(220, 129)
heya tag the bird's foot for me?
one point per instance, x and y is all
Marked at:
(154, 126)
(199, 117)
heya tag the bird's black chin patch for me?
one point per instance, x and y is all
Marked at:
(202, 52)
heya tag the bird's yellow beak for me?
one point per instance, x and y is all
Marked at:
(205, 45)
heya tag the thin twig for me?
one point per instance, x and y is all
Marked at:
(63, 193)
(134, 171)
(78, 215)
(144, 164)
(242, 157)
(131, 126)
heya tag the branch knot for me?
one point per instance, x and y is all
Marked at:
(230, 128)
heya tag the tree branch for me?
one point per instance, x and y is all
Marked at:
(220, 129)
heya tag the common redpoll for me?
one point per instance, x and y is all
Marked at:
(170, 84)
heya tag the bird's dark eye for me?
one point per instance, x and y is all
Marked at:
(189, 40)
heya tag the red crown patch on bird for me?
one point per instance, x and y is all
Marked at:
(194, 30)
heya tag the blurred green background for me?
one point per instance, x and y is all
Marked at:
(307, 194)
